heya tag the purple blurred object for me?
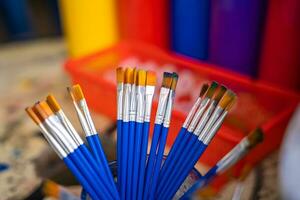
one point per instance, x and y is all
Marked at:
(235, 34)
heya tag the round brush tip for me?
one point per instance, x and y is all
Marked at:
(255, 137)
(52, 102)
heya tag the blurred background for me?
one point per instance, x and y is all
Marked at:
(251, 45)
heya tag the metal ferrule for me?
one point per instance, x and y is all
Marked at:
(204, 119)
(52, 142)
(119, 101)
(162, 102)
(140, 110)
(52, 127)
(126, 100)
(233, 156)
(169, 106)
(215, 128)
(198, 115)
(188, 119)
(212, 119)
(68, 125)
(87, 116)
(82, 120)
(148, 102)
(133, 103)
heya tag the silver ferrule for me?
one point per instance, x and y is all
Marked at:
(149, 99)
(69, 127)
(54, 129)
(87, 115)
(119, 101)
(162, 103)
(82, 120)
(198, 114)
(212, 119)
(126, 100)
(168, 113)
(189, 117)
(204, 119)
(214, 129)
(133, 103)
(140, 110)
(52, 142)
(233, 156)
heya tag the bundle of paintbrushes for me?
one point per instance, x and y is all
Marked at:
(140, 175)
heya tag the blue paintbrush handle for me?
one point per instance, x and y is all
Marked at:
(182, 148)
(159, 158)
(130, 159)
(185, 170)
(119, 150)
(143, 160)
(84, 154)
(95, 144)
(137, 157)
(81, 178)
(151, 159)
(125, 135)
(89, 173)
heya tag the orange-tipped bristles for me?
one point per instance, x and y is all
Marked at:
(255, 137)
(211, 90)
(42, 110)
(120, 75)
(129, 76)
(221, 91)
(51, 189)
(174, 81)
(77, 92)
(151, 78)
(52, 102)
(167, 80)
(32, 115)
(203, 90)
(141, 77)
(135, 74)
(227, 100)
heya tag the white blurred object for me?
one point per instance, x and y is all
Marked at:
(289, 172)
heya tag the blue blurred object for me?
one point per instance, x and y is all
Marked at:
(16, 18)
(235, 33)
(190, 26)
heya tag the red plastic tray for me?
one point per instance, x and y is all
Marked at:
(258, 104)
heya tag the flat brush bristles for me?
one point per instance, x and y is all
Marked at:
(174, 81)
(128, 78)
(203, 90)
(211, 90)
(77, 92)
(42, 110)
(151, 78)
(32, 115)
(220, 93)
(255, 137)
(55, 107)
(120, 75)
(141, 77)
(227, 99)
(167, 80)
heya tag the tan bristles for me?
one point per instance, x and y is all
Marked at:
(151, 78)
(211, 90)
(231, 103)
(46, 108)
(167, 80)
(128, 78)
(120, 75)
(174, 81)
(226, 99)
(255, 137)
(203, 90)
(55, 107)
(32, 115)
(220, 93)
(77, 92)
(141, 78)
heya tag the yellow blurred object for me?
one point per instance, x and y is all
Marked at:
(89, 25)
